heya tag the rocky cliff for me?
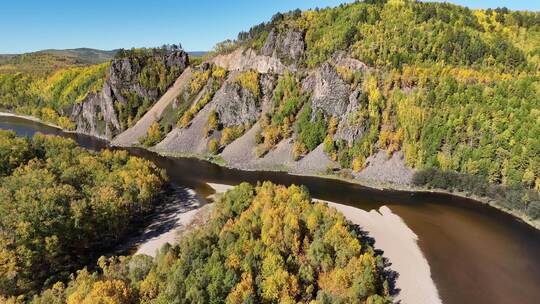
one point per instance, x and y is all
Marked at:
(236, 105)
(256, 107)
(287, 46)
(134, 83)
(264, 112)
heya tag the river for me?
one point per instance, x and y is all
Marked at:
(477, 253)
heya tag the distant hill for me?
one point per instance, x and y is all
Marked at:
(84, 55)
(48, 60)
(53, 59)
(197, 53)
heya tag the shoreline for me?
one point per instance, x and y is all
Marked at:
(379, 185)
(49, 124)
(180, 213)
(418, 189)
(399, 244)
(32, 118)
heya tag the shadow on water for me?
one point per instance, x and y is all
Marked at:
(477, 254)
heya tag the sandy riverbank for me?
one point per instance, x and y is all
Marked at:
(187, 210)
(399, 244)
(168, 221)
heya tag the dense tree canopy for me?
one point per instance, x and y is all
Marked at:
(60, 204)
(455, 89)
(398, 32)
(264, 244)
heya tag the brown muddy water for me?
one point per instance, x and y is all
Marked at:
(477, 253)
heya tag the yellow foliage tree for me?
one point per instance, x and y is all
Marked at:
(106, 292)
(250, 81)
(153, 136)
(213, 121)
(218, 72)
(199, 80)
(242, 291)
(299, 149)
(213, 146)
(230, 134)
(358, 163)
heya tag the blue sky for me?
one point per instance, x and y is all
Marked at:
(30, 25)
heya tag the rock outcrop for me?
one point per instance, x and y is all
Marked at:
(97, 114)
(349, 129)
(268, 84)
(328, 90)
(235, 105)
(287, 46)
(125, 73)
(247, 59)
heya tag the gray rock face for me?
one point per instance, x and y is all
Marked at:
(346, 130)
(329, 92)
(235, 105)
(247, 59)
(124, 73)
(268, 84)
(96, 115)
(288, 46)
(123, 77)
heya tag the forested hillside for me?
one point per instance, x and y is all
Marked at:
(396, 33)
(44, 95)
(454, 89)
(61, 204)
(264, 244)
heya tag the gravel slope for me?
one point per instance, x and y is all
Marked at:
(279, 158)
(241, 152)
(391, 170)
(131, 136)
(190, 139)
(315, 162)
